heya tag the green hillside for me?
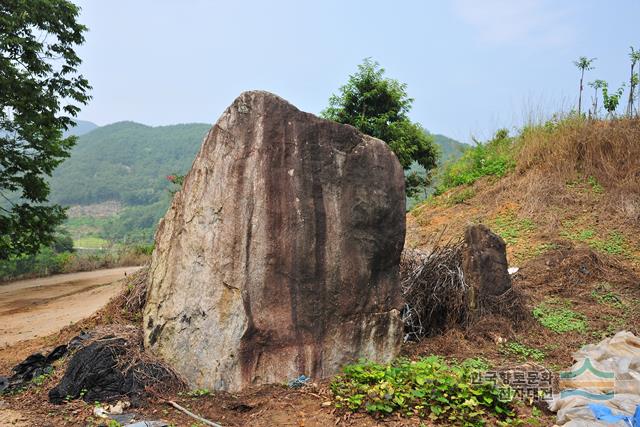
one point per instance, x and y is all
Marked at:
(127, 162)
(450, 148)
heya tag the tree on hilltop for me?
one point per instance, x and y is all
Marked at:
(584, 64)
(379, 106)
(610, 100)
(633, 80)
(596, 85)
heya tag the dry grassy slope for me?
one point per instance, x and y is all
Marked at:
(580, 182)
(570, 214)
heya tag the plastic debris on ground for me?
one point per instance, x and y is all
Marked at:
(299, 382)
(603, 413)
(602, 388)
(116, 413)
(32, 367)
(38, 364)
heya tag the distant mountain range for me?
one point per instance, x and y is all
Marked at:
(128, 162)
(81, 128)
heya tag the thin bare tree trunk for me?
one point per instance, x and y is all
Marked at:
(631, 90)
(580, 95)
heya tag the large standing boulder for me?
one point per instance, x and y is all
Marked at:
(279, 256)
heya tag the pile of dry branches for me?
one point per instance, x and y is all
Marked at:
(434, 289)
(143, 373)
(127, 306)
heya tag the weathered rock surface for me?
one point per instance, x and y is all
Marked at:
(280, 255)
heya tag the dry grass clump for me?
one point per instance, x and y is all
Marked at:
(119, 324)
(567, 270)
(607, 150)
(603, 153)
(127, 306)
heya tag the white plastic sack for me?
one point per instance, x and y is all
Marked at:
(619, 355)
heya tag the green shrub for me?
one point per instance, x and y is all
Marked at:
(494, 158)
(47, 261)
(143, 249)
(44, 263)
(428, 387)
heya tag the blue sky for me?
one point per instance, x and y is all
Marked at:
(472, 65)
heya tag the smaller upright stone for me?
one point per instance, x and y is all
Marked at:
(484, 262)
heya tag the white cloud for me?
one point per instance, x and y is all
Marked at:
(535, 22)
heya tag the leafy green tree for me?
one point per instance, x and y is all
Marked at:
(584, 64)
(379, 106)
(63, 242)
(611, 100)
(633, 79)
(40, 93)
(596, 85)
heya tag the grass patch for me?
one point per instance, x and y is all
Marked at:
(590, 183)
(522, 351)
(614, 244)
(528, 251)
(199, 392)
(510, 227)
(604, 295)
(558, 317)
(428, 388)
(461, 196)
(595, 185)
(543, 248)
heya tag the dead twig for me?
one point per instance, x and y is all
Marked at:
(192, 415)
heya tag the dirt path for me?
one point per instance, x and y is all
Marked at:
(38, 307)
